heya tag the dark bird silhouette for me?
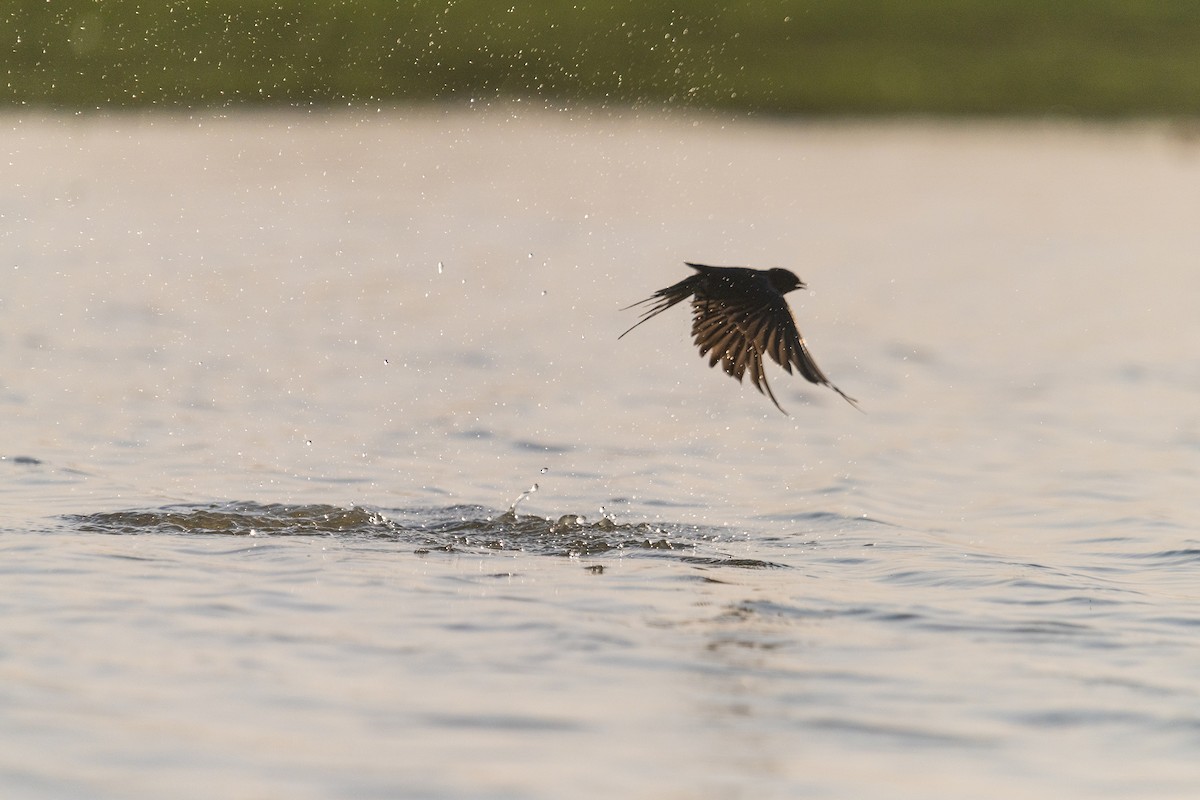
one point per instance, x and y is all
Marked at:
(740, 316)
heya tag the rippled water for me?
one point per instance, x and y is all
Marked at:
(277, 391)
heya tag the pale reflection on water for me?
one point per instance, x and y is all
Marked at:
(270, 384)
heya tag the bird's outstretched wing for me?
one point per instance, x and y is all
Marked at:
(741, 331)
(664, 299)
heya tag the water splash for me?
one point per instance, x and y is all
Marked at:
(453, 529)
(512, 509)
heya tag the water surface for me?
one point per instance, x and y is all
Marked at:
(277, 390)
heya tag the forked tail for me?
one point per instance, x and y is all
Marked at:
(664, 299)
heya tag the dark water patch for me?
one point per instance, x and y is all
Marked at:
(943, 577)
(1169, 558)
(744, 563)
(928, 619)
(751, 609)
(1083, 718)
(662, 502)
(845, 561)
(502, 722)
(1139, 525)
(541, 447)
(1177, 621)
(1035, 629)
(897, 732)
(23, 461)
(474, 433)
(451, 529)
(1069, 600)
(236, 519)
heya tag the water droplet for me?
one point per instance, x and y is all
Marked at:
(513, 508)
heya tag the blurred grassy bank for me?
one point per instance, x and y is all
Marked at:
(1082, 57)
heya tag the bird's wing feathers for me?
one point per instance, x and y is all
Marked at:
(664, 299)
(737, 333)
(741, 332)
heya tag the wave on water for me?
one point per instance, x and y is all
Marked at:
(453, 529)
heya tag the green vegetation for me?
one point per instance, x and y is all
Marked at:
(1084, 57)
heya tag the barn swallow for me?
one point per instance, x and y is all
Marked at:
(740, 316)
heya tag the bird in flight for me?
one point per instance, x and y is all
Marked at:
(740, 316)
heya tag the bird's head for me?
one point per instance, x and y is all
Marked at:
(784, 280)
